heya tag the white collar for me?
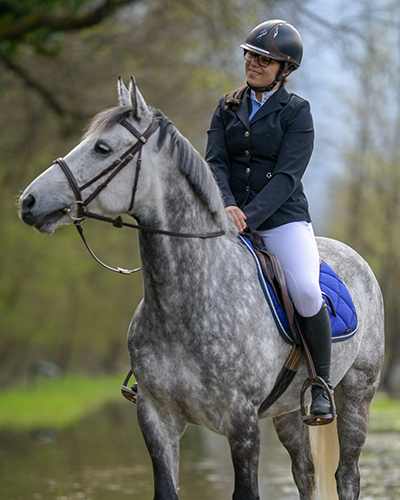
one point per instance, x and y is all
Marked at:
(264, 96)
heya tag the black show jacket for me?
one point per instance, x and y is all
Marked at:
(259, 165)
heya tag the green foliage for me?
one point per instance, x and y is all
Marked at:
(57, 403)
(25, 15)
(39, 23)
(385, 414)
(12, 10)
(56, 303)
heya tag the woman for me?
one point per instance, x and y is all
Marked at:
(259, 145)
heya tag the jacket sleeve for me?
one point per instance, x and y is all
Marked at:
(294, 155)
(217, 155)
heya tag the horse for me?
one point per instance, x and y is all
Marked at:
(203, 345)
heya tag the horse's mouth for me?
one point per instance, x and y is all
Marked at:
(45, 224)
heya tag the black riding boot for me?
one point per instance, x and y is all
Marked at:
(318, 335)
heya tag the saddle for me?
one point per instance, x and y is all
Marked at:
(273, 273)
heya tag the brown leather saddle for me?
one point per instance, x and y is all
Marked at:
(273, 273)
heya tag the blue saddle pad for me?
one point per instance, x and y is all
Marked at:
(344, 324)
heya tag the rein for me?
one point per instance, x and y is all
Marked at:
(113, 170)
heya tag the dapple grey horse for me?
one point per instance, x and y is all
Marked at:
(203, 344)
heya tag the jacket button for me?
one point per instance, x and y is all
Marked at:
(247, 188)
(247, 170)
(247, 133)
(247, 152)
(268, 175)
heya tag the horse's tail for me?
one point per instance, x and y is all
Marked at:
(325, 453)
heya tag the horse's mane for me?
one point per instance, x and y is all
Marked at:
(194, 167)
(191, 164)
(106, 119)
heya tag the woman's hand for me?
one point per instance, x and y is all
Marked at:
(237, 216)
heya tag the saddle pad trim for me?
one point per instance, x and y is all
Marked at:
(281, 322)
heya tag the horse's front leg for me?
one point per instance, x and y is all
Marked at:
(161, 431)
(244, 441)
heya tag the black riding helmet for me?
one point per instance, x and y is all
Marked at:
(278, 40)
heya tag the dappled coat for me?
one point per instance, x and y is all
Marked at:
(259, 165)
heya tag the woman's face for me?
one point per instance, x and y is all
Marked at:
(261, 76)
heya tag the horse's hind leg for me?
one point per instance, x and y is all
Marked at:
(354, 395)
(293, 434)
(244, 441)
(161, 432)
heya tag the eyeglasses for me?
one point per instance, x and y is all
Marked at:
(263, 61)
(130, 393)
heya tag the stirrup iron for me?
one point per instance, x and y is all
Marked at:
(317, 419)
(129, 392)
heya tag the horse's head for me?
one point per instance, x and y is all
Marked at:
(101, 171)
(131, 160)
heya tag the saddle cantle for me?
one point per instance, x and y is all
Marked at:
(341, 308)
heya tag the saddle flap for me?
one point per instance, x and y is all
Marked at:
(273, 273)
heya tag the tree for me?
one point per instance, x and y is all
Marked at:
(56, 304)
(38, 23)
(27, 21)
(367, 201)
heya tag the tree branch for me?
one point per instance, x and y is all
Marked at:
(46, 95)
(55, 22)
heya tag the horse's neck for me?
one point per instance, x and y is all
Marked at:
(184, 202)
(164, 254)
(176, 266)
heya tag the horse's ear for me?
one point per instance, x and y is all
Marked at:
(123, 93)
(139, 105)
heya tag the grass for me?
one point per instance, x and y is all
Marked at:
(59, 403)
(385, 414)
(56, 403)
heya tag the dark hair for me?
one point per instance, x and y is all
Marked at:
(233, 98)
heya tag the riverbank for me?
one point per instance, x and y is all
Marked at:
(59, 403)
(56, 403)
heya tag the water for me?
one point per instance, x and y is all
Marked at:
(103, 457)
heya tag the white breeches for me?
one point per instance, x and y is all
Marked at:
(295, 246)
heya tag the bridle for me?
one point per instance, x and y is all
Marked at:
(113, 170)
(109, 173)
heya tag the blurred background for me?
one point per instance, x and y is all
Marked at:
(65, 431)
(59, 63)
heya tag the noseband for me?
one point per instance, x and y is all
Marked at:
(112, 171)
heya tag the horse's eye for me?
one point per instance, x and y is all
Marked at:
(102, 148)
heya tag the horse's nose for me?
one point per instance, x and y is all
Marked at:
(27, 203)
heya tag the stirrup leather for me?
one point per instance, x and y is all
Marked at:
(317, 419)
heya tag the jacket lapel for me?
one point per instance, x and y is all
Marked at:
(243, 111)
(274, 103)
